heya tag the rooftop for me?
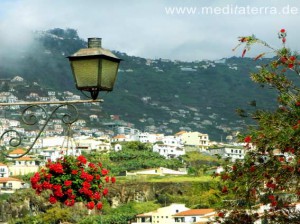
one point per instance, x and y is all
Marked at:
(193, 212)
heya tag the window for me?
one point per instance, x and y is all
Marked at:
(9, 184)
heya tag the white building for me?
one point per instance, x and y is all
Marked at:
(127, 130)
(54, 153)
(195, 216)
(4, 170)
(146, 137)
(23, 165)
(9, 184)
(93, 144)
(194, 139)
(228, 152)
(161, 215)
(170, 147)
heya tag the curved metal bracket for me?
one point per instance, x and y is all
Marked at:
(30, 117)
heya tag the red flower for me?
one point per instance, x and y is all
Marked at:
(271, 197)
(224, 190)
(97, 176)
(252, 168)
(86, 184)
(97, 196)
(99, 205)
(290, 65)
(248, 139)
(69, 180)
(47, 185)
(283, 40)
(282, 31)
(69, 202)
(56, 168)
(82, 159)
(271, 185)
(274, 203)
(68, 183)
(113, 180)
(104, 172)
(292, 58)
(52, 199)
(105, 191)
(92, 165)
(90, 205)
(221, 214)
(74, 172)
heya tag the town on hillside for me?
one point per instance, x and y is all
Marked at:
(55, 142)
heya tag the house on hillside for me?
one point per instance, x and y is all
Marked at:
(197, 139)
(23, 165)
(170, 147)
(9, 184)
(195, 216)
(53, 153)
(162, 215)
(146, 137)
(235, 153)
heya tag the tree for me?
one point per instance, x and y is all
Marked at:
(270, 173)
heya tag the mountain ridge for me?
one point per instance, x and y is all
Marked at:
(156, 95)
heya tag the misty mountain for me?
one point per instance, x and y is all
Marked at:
(156, 95)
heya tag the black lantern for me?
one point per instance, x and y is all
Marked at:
(94, 68)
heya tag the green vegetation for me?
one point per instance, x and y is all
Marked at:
(196, 191)
(270, 172)
(133, 156)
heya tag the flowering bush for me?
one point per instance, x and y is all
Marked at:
(270, 172)
(73, 179)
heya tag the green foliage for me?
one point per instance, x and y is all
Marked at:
(133, 156)
(270, 171)
(198, 163)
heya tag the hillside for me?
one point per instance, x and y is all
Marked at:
(156, 95)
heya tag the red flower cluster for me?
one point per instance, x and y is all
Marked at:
(73, 179)
(282, 35)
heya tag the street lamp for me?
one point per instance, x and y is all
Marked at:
(94, 68)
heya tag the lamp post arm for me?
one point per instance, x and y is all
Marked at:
(30, 117)
(51, 102)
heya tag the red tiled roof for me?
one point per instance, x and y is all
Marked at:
(191, 212)
(5, 179)
(24, 158)
(148, 214)
(120, 136)
(17, 151)
(180, 133)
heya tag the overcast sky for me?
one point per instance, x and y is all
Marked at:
(207, 29)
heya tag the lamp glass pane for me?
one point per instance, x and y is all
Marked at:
(109, 74)
(86, 72)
